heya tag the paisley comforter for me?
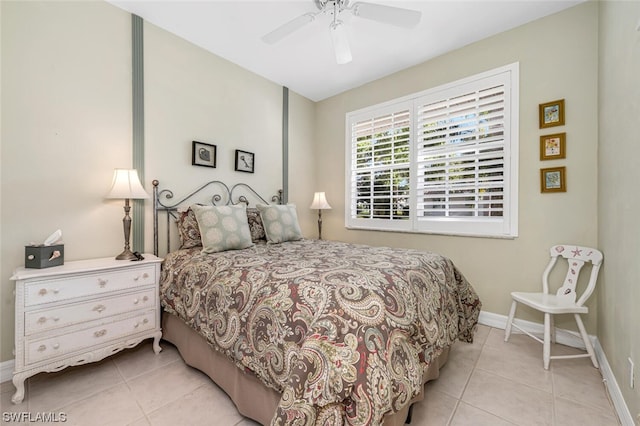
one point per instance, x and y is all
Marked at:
(343, 331)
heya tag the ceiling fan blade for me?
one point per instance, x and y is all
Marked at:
(288, 28)
(387, 14)
(340, 43)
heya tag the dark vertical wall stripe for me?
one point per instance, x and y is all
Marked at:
(285, 145)
(137, 67)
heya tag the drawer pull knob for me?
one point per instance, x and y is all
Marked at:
(100, 333)
(102, 282)
(99, 308)
(136, 301)
(42, 320)
(137, 324)
(42, 348)
(144, 299)
(56, 346)
(144, 276)
(56, 291)
(42, 292)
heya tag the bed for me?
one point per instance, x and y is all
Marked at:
(299, 331)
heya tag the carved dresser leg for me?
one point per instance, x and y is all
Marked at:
(156, 343)
(18, 382)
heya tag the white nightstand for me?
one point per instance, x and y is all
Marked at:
(82, 312)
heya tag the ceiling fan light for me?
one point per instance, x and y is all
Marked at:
(340, 43)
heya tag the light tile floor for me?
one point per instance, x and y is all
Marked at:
(489, 382)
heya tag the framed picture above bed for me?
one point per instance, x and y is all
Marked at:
(203, 154)
(245, 161)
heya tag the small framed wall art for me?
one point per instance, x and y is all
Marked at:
(553, 147)
(551, 114)
(245, 161)
(553, 179)
(203, 154)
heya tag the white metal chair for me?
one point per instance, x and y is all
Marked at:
(563, 302)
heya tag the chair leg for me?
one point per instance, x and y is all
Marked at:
(512, 313)
(546, 346)
(587, 342)
(553, 329)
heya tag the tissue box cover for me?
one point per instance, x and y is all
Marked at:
(41, 256)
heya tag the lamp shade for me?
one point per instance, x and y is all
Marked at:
(126, 184)
(320, 202)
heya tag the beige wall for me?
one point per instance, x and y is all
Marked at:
(66, 124)
(619, 174)
(193, 95)
(558, 59)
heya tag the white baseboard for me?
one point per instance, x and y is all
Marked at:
(6, 370)
(573, 339)
(612, 386)
(489, 319)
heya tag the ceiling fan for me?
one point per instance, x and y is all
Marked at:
(398, 16)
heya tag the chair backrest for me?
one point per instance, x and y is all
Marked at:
(576, 256)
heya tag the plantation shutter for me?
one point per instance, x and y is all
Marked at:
(381, 165)
(461, 153)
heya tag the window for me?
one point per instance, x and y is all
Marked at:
(441, 161)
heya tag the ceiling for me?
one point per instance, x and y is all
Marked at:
(304, 61)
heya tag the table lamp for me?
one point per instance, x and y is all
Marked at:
(320, 203)
(126, 184)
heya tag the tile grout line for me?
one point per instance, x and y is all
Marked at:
(553, 393)
(87, 395)
(464, 388)
(609, 411)
(476, 368)
(128, 385)
(137, 376)
(453, 412)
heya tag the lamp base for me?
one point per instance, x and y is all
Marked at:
(126, 223)
(126, 255)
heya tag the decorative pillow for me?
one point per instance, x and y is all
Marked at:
(280, 222)
(255, 225)
(223, 227)
(188, 230)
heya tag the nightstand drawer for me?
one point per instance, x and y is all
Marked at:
(53, 347)
(62, 316)
(65, 288)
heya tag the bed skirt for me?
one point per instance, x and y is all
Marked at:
(252, 398)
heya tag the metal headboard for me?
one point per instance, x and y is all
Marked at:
(221, 195)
